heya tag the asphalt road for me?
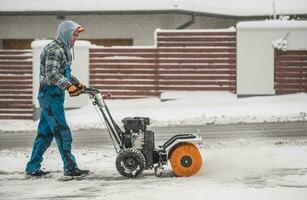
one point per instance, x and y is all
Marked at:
(99, 138)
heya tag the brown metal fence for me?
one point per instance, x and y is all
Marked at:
(125, 72)
(16, 84)
(181, 61)
(290, 71)
(197, 60)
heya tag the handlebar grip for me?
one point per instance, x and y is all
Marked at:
(94, 91)
(107, 95)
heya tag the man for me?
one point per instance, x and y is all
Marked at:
(55, 78)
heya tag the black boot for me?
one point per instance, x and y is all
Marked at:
(38, 174)
(75, 174)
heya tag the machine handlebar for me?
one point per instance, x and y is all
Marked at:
(93, 91)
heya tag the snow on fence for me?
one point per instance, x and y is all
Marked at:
(16, 84)
(290, 71)
(182, 60)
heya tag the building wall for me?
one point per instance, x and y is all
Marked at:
(139, 27)
(255, 52)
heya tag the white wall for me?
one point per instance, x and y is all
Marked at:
(80, 69)
(139, 27)
(255, 53)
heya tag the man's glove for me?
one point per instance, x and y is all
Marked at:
(80, 86)
(73, 91)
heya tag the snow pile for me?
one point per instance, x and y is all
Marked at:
(281, 43)
(186, 108)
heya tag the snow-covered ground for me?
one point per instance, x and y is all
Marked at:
(186, 108)
(239, 169)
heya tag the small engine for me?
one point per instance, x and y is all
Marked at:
(136, 124)
(137, 136)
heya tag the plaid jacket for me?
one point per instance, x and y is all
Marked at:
(53, 61)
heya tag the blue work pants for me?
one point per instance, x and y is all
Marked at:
(52, 124)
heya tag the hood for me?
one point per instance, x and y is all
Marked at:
(65, 32)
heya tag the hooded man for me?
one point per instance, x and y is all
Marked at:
(55, 78)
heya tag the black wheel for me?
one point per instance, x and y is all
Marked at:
(130, 163)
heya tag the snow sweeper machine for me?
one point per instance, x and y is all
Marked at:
(135, 145)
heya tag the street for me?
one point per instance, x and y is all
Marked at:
(210, 133)
(240, 161)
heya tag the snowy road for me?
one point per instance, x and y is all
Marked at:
(99, 137)
(246, 161)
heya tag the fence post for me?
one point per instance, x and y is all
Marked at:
(37, 47)
(80, 69)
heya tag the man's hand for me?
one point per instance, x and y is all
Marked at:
(80, 86)
(73, 91)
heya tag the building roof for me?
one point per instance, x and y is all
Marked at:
(214, 7)
(273, 25)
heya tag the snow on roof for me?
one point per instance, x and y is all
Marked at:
(273, 24)
(220, 7)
